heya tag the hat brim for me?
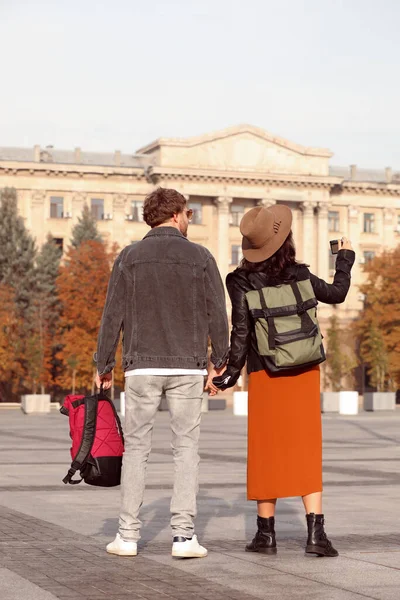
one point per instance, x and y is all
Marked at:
(283, 214)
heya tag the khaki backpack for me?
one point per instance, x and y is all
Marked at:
(286, 325)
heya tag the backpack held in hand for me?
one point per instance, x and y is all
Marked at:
(286, 326)
(97, 440)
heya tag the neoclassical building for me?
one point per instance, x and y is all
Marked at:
(223, 175)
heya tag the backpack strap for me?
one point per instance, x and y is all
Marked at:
(272, 332)
(306, 321)
(89, 431)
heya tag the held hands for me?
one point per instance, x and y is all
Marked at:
(213, 372)
(104, 380)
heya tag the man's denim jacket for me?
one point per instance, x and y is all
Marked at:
(166, 295)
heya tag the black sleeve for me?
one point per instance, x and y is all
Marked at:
(336, 292)
(217, 316)
(241, 326)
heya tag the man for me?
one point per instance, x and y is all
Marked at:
(167, 296)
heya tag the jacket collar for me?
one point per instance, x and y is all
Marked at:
(159, 231)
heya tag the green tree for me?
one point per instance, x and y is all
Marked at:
(46, 311)
(373, 352)
(85, 230)
(341, 360)
(17, 252)
(17, 274)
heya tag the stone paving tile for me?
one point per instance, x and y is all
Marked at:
(361, 478)
(94, 577)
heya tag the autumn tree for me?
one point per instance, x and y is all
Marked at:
(378, 325)
(85, 230)
(82, 286)
(11, 346)
(341, 360)
(17, 276)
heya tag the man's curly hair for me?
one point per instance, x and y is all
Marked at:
(161, 205)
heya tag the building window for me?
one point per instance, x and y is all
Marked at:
(333, 220)
(197, 212)
(59, 242)
(56, 207)
(236, 255)
(237, 213)
(369, 223)
(97, 208)
(137, 211)
(368, 255)
(332, 263)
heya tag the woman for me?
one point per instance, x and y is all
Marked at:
(284, 423)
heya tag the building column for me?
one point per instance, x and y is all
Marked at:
(353, 223)
(308, 233)
(389, 227)
(266, 202)
(323, 241)
(223, 204)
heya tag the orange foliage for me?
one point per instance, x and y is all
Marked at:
(11, 345)
(82, 287)
(382, 314)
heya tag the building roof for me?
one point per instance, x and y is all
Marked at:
(68, 157)
(367, 175)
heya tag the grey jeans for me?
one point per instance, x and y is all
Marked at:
(143, 393)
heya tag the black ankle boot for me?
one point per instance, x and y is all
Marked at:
(318, 542)
(264, 540)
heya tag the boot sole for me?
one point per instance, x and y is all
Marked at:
(319, 551)
(263, 550)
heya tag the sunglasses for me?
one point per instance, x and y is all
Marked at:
(189, 214)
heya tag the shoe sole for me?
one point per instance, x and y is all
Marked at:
(187, 555)
(319, 551)
(263, 550)
(119, 553)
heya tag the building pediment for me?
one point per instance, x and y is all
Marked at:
(240, 149)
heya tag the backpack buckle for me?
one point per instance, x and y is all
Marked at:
(301, 309)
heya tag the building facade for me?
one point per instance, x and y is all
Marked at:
(223, 175)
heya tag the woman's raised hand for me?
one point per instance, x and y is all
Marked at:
(345, 244)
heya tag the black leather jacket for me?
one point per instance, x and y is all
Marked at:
(238, 283)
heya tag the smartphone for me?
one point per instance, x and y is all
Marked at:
(335, 246)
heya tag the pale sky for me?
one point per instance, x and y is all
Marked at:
(107, 75)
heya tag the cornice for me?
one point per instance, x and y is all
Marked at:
(60, 170)
(368, 188)
(241, 177)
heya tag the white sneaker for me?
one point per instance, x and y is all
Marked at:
(184, 548)
(122, 548)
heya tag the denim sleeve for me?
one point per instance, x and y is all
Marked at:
(111, 321)
(217, 316)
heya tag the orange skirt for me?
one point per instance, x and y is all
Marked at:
(284, 435)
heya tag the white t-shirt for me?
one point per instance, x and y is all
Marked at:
(164, 372)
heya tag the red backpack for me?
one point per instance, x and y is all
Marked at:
(97, 440)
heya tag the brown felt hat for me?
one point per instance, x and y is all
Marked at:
(264, 230)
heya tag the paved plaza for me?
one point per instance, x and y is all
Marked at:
(52, 536)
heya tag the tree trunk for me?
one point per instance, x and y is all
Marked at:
(73, 380)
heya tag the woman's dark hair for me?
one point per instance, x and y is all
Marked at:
(276, 265)
(161, 205)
